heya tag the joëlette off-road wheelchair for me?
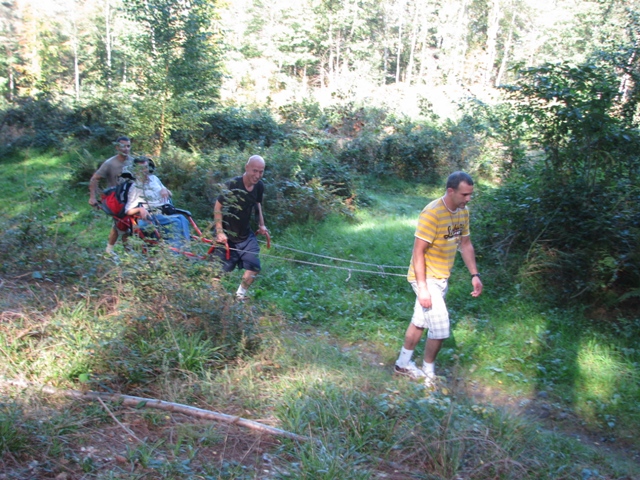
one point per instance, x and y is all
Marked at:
(160, 226)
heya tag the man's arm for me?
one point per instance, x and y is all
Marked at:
(419, 249)
(261, 228)
(93, 187)
(135, 203)
(221, 237)
(140, 211)
(469, 256)
(165, 193)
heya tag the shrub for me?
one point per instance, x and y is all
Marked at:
(569, 215)
(362, 154)
(199, 178)
(576, 240)
(82, 168)
(407, 155)
(411, 155)
(297, 187)
(301, 114)
(234, 126)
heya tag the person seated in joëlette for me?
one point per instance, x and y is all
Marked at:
(147, 197)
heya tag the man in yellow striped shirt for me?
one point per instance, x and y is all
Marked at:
(443, 228)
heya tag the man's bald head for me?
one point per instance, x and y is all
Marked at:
(255, 159)
(254, 170)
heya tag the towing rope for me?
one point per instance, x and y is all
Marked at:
(380, 270)
(403, 267)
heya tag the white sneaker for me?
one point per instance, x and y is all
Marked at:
(430, 380)
(411, 370)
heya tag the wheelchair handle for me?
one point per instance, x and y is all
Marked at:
(227, 253)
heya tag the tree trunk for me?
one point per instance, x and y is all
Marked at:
(11, 83)
(493, 25)
(76, 68)
(336, 70)
(399, 49)
(505, 54)
(424, 42)
(460, 39)
(330, 66)
(414, 41)
(107, 39)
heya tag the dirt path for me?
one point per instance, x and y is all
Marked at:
(553, 416)
(540, 408)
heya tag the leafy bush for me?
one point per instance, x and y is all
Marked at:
(411, 155)
(84, 165)
(301, 114)
(566, 212)
(407, 155)
(351, 120)
(37, 123)
(297, 187)
(301, 188)
(560, 239)
(361, 154)
(177, 167)
(173, 321)
(234, 126)
(45, 123)
(196, 179)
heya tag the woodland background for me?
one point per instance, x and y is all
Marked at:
(540, 96)
(361, 109)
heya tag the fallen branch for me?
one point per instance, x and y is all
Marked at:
(115, 419)
(141, 402)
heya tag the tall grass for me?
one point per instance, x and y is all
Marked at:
(311, 352)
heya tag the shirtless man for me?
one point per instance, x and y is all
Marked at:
(111, 170)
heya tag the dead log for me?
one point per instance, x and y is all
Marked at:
(142, 402)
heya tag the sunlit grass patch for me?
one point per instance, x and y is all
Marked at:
(502, 346)
(604, 382)
(599, 368)
(61, 349)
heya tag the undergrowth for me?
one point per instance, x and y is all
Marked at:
(311, 353)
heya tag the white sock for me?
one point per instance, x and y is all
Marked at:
(241, 292)
(429, 368)
(404, 358)
(109, 248)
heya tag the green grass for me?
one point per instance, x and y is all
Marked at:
(311, 353)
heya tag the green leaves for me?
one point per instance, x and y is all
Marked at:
(176, 64)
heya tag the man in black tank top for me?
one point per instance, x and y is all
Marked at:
(232, 215)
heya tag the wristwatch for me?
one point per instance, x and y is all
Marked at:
(475, 275)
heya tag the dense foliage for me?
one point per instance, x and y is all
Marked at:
(561, 138)
(566, 208)
(361, 109)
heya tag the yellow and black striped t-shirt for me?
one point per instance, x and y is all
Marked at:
(443, 230)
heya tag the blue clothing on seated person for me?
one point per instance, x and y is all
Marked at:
(150, 194)
(175, 228)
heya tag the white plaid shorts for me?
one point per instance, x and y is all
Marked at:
(436, 318)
